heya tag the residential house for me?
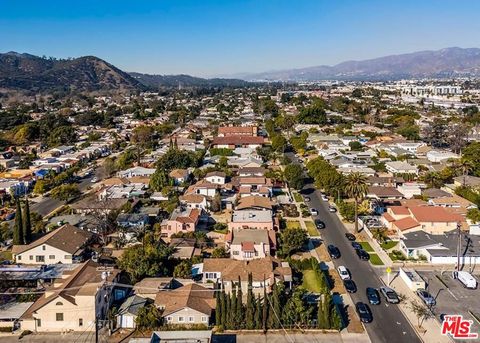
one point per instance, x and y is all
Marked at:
(133, 220)
(251, 219)
(180, 221)
(247, 186)
(265, 272)
(203, 187)
(251, 171)
(187, 305)
(401, 167)
(467, 181)
(438, 156)
(232, 142)
(216, 177)
(194, 201)
(136, 171)
(410, 189)
(128, 311)
(249, 244)
(63, 245)
(74, 303)
(226, 131)
(254, 203)
(383, 193)
(179, 176)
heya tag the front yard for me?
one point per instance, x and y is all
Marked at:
(376, 260)
(312, 230)
(311, 281)
(366, 246)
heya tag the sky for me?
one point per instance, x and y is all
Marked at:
(215, 37)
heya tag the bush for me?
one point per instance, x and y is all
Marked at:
(347, 210)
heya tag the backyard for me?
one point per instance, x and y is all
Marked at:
(311, 281)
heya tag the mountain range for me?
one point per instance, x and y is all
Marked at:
(444, 63)
(32, 74)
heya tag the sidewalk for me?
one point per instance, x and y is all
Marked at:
(431, 326)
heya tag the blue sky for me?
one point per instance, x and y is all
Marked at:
(205, 38)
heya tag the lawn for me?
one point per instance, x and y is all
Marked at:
(312, 230)
(311, 281)
(366, 246)
(290, 224)
(5, 255)
(375, 260)
(297, 197)
(389, 245)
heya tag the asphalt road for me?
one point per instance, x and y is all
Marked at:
(389, 324)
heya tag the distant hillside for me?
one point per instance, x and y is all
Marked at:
(157, 81)
(445, 63)
(30, 73)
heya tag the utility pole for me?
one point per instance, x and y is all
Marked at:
(459, 246)
(96, 329)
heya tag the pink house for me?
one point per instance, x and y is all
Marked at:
(180, 221)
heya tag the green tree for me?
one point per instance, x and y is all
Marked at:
(40, 187)
(183, 269)
(27, 225)
(296, 310)
(142, 136)
(356, 187)
(250, 310)
(240, 311)
(294, 175)
(276, 306)
(314, 113)
(474, 215)
(218, 308)
(233, 307)
(62, 135)
(18, 236)
(65, 192)
(159, 179)
(219, 252)
(292, 239)
(258, 322)
(148, 318)
(279, 143)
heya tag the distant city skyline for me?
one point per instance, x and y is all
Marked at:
(210, 38)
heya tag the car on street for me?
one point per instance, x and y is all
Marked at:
(362, 254)
(94, 179)
(426, 297)
(307, 199)
(343, 272)
(350, 286)
(373, 296)
(332, 209)
(356, 245)
(324, 197)
(333, 251)
(364, 312)
(319, 224)
(350, 236)
(390, 295)
(314, 212)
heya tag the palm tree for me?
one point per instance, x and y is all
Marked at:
(356, 187)
(466, 167)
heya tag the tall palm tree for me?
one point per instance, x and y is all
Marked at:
(466, 167)
(356, 187)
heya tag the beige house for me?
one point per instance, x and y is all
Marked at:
(251, 219)
(73, 303)
(187, 305)
(63, 245)
(249, 244)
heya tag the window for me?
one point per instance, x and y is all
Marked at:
(19, 257)
(181, 319)
(59, 317)
(80, 321)
(68, 257)
(59, 303)
(190, 319)
(52, 257)
(235, 252)
(40, 258)
(39, 323)
(31, 257)
(169, 318)
(204, 319)
(44, 247)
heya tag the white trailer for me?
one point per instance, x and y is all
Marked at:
(467, 280)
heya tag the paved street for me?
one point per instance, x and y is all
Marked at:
(389, 324)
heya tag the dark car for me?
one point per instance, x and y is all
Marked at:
(350, 236)
(362, 254)
(333, 251)
(364, 312)
(356, 245)
(373, 296)
(319, 224)
(390, 295)
(350, 286)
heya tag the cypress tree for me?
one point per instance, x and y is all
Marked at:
(218, 309)
(27, 225)
(228, 316)
(258, 313)
(239, 310)
(250, 305)
(233, 307)
(327, 310)
(275, 308)
(264, 309)
(320, 315)
(18, 237)
(336, 319)
(224, 310)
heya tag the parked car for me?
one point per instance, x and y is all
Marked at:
(343, 272)
(324, 197)
(350, 236)
(426, 297)
(307, 199)
(390, 295)
(362, 254)
(364, 312)
(333, 251)
(319, 224)
(373, 296)
(332, 209)
(356, 245)
(350, 285)
(314, 212)
(466, 279)
(94, 179)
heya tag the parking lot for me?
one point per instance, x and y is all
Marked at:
(455, 299)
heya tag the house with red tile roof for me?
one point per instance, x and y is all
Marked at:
(180, 221)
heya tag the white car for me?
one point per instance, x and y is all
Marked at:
(94, 179)
(314, 212)
(343, 272)
(324, 197)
